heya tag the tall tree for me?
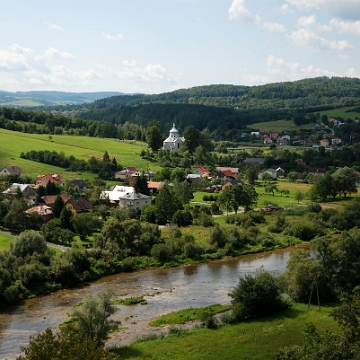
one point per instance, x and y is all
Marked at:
(58, 206)
(154, 135)
(166, 204)
(93, 316)
(141, 185)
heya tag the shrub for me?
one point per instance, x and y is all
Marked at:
(314, 207)
(162, 253)
(257, 295)
(304, 231)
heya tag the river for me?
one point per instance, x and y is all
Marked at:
(167, 289)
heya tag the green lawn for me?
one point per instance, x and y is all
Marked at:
(258, 339)
(5, 241)
(81, 147)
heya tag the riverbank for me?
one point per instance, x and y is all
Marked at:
(165, 290)
(258, 339)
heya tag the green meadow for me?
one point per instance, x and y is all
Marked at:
(343, 113)
(257, 339)
(278, 125)
(81, 147)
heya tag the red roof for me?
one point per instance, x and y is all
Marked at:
(44, 179)
(228, 173)
(204, 171)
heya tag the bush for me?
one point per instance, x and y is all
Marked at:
(257, 295)
(315, 207)
(162, 253)
(304, 231)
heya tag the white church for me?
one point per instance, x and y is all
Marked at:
(174, 142)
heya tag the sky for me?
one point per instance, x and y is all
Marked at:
(156, 46)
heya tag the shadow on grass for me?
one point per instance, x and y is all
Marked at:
(127, 352)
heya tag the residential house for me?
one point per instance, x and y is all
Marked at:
(80, 184)
(80, 205)
(26, 190)
(232, 182)
(155, 186)
(282, 142)
(336, 141)
(252, 161)
(271, 172)
(134, 200)
(280, 172)
(42, 180)
(212, 188)
(317, 171)
(114, 195)
(309, 143)
(255, 133)
(174, 142)
(125, 173)
(202, 172)
(234, 171)
(324, 142)
(43, 210)
(49, 200)
(12, 170)
(321, 133)
(274, 135)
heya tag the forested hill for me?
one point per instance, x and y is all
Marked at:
(303, 94)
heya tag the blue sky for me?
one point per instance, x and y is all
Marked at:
(155, 46)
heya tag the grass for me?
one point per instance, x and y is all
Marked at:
(81, 147)
(258, 339)
(278, 125)
(342, 113)
(131, 301)
(5, 241)
(186, 315)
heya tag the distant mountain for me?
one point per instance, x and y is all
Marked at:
(50, 98)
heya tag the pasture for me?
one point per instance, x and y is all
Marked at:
(81, 147)
(343, 113)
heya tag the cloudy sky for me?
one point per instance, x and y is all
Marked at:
(155, 46)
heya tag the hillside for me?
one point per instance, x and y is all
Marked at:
(318, 92)
(50, 98)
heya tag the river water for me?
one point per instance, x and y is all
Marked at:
(166, 289)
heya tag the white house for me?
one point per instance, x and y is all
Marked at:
(134, 200)
(116, 193)
(271, 172)
(174, 142)
(11, 170)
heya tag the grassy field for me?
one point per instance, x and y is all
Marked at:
(257, 339)
(81, 147)
(278, 125)
(5, 241)
(341, 113)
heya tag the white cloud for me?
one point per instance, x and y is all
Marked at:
(304, 38)
(151, 72)
(274, 27)
(51, 26)
(116, 37)
(284, 9)
(55, 53)
(287, 71)
(351, 27)
(131, 63)
(238, 11)
(311, 23)
(346, 9)
(22, 68)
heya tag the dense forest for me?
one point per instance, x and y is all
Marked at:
(302, 94)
